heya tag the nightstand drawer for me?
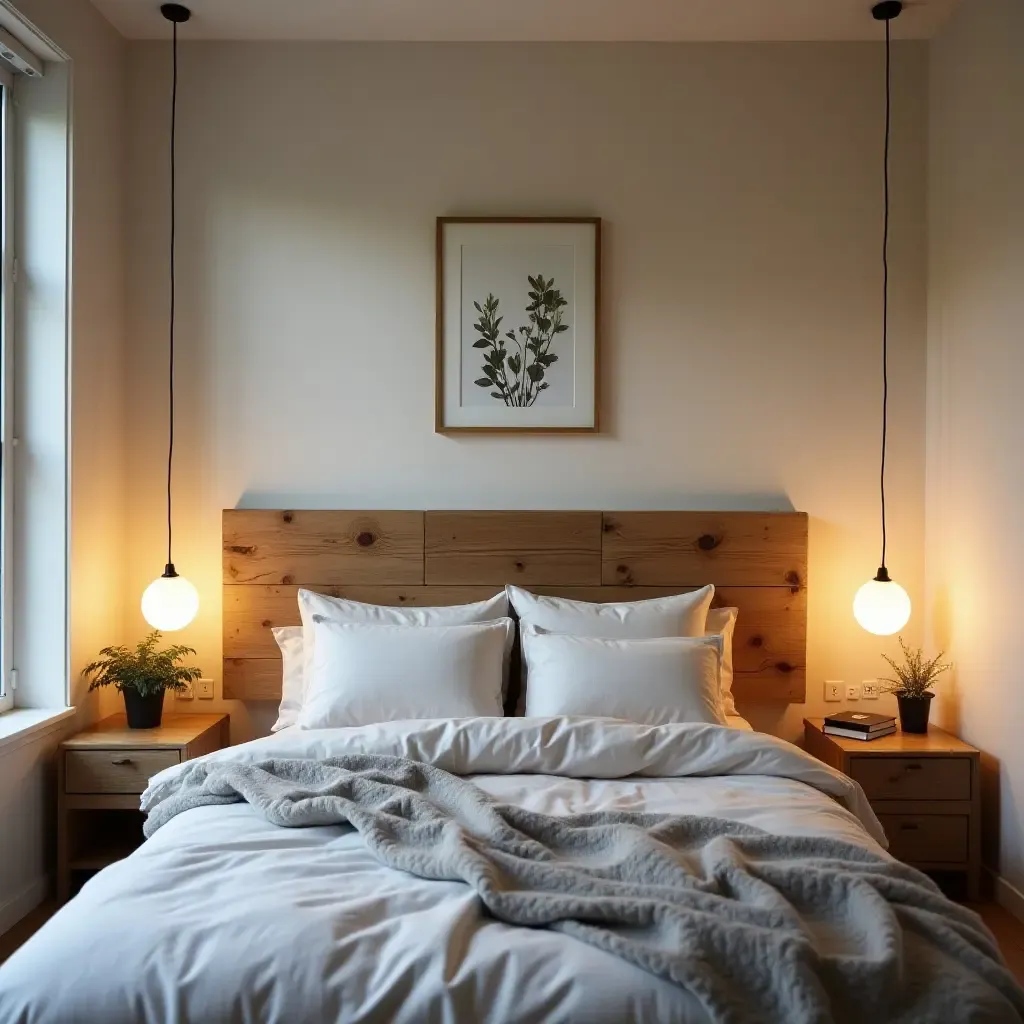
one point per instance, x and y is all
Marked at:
(913, 778)
(114, 771)
(927, 838)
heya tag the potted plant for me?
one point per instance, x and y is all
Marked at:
(911, 684)
(142, 676)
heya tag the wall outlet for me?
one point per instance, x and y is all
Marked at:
(188, 693)
(869, 689)
(853, 691)
(833, 689)
(204, 689)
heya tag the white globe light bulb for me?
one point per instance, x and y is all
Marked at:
(881, 606)
(170, 603)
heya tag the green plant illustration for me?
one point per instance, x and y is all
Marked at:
(516, 376)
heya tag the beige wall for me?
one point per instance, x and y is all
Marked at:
(976, 367)
(741, 190)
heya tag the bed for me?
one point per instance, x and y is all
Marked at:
(225, 915)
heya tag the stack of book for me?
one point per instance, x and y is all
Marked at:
(859, 725)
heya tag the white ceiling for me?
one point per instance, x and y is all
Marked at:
(527, 20)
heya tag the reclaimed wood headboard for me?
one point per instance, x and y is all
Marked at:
(757, 561)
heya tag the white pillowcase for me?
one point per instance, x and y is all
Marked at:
(364, 674)
(678, 615)
(289, 640)
(652, 681)
(341, 609)
(722, 622)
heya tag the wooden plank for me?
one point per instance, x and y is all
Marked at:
(313, 547)
(252, 678)
(176, 729)
(770, 685)
(251, 611)
(935, 742)
(693, 548)
(525, 548)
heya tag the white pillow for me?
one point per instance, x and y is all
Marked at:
(722, 622)
(289, 640)
(654, 681)
(341, 609)
(677, 615)
(364, 674)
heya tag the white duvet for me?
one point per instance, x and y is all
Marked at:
(224, 917)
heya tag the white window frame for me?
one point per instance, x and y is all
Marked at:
(8, 442)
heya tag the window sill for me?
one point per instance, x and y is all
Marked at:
(23, 724)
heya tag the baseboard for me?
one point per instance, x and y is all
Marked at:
(25, 901)
(1008, 896)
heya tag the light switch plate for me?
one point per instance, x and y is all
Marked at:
(188, 693)
(833, 689)
(853, 691)
(869, 689)
(204, 689)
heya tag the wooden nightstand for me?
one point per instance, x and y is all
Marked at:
(926, 791)
(100, 774)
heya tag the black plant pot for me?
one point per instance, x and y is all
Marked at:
(914, 712)
(143, 712)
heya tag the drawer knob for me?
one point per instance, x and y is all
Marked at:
(121, 761)
(908, 826)
(912, 767)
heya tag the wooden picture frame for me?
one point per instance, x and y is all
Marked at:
(498, 339)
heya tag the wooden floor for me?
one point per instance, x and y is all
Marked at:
(26, 928)
(1007, 929)
(1009, 933)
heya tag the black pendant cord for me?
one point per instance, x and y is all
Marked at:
(170, 388)
(885, 292)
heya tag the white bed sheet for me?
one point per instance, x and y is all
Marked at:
(224, 917)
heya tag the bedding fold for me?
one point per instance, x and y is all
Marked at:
(755, 926)
(570, 747)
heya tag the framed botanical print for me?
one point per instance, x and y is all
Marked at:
(518, 323)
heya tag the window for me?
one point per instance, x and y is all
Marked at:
(17, 64)
(7, 274)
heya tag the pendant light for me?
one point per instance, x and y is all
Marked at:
(170, 602)
(882, 605)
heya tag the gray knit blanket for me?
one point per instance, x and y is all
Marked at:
(757, 927)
